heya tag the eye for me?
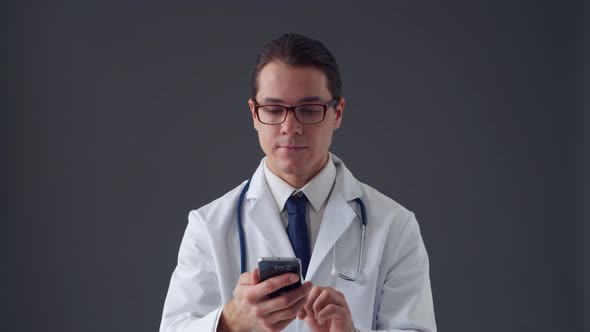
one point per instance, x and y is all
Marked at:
(272, 110)
(307, 110)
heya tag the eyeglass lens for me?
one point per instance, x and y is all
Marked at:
(275, 114)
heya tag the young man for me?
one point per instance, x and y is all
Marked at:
(300, 202)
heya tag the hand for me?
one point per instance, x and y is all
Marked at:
(326, 310)
(250, 308)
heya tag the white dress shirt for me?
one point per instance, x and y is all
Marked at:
(317, 191)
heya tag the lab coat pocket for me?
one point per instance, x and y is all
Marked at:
(360, 296)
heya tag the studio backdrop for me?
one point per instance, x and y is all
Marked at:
(119, 117)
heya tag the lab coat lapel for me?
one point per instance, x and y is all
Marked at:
(338, 215)
(264, 216)
(337, 218)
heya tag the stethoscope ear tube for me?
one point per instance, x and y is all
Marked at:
(241, 228)
(363, 211)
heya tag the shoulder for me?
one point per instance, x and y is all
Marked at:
(392, 228)
(222, 208)
(385, 206)
(395, 226)
(391, 217)
(379, 207)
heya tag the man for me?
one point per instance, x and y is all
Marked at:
(296, 105)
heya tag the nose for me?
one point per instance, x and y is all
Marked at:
(291, 125)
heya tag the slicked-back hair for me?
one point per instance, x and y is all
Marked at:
(297, 50)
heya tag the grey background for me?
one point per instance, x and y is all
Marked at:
(119, 117)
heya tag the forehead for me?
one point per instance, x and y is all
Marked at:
(277, 80)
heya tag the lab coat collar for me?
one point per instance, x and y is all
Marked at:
(316, 190)
(257, 182)
(346, 184)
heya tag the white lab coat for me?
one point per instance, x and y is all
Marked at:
(393, 292)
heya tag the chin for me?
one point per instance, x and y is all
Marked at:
(291, 167)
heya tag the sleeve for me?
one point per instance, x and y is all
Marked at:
(406, 300)
(193, 302)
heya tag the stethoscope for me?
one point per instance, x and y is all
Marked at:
(334, 271)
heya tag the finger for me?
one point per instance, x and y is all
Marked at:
(270, 285)
(328, 296)
(308, 287)
(255, 276)
(292, 301)
(288, 299)
(331, 311)
(247, 278)
(288, 313)
(313, 295)
(302, 314)
(320, 302)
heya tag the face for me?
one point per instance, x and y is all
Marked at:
(296, 152)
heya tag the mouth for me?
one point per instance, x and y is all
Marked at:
(292, 147)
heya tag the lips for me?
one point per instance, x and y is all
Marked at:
(292, 147)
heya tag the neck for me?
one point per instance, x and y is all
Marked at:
(297, 181)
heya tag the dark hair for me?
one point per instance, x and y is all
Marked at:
(297, 50)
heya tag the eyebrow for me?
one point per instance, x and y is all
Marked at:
(281, 101)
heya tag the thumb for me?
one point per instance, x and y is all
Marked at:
(255, 276)
(249, 278)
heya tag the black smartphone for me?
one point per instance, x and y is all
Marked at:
(269, 267)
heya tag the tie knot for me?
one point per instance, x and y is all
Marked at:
(296, 204)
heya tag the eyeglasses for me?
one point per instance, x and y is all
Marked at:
(305, 113)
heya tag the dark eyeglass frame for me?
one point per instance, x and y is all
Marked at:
(326, 106)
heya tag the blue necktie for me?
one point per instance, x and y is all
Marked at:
(297, 230)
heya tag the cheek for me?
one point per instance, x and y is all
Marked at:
(324, 137)
(266, 138)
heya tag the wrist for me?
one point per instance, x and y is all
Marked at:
(222, 325)
(226, 322)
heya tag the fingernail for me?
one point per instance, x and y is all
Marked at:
(293, 278)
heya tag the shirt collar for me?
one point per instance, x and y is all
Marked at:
(316, 190)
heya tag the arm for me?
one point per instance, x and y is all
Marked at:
(193, 302)
(406, 297)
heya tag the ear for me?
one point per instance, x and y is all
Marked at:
(251, 104)
(339, 108)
